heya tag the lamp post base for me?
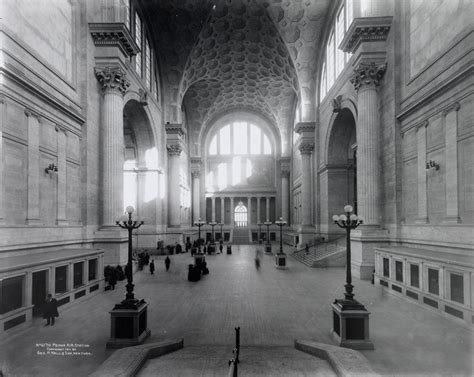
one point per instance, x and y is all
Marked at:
(128, 324)
(280, 261)
(351, 325)
(268, 248)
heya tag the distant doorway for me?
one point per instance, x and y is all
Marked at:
(39, 292)
(240, 215)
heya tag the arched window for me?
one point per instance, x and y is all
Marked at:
(240, 138)
(240, 215)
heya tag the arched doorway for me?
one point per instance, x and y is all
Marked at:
(140, 170)
(240, 215)
(341, 169)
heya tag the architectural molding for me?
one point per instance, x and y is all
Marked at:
(196, 166)
(453, 107)
(365, 29)
(59, 128)
(114, 34)
(174, 149)
(304, 127)
(174, 129)
(306, 147)
(143, 94)
(368, 75)
(285, 166)
(112, 79)
(424, 124)
(337, 104)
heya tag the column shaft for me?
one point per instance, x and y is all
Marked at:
(422, 198)
(232, 208)
(174, 209)
(213, 203)
(258, 211)
(285, 195)
(61, 216)
(249, 205)
(451, 125)
(33, 169)
(2, 121)
(222, 211)
(267, 209)
(368, 156)
(196, 198)
(306, 188)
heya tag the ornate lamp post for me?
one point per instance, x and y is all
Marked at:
(212, 224)
(350, 317)
(222, 235)
(126, 222)
(348, 222)
(129, 318)
(199, 224)
(268, 245)
(280, 258)
(259, 232)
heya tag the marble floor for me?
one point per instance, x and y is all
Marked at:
(273, 307)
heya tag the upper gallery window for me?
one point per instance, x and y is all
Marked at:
(240, 138)
(138, 40)
(336, 59)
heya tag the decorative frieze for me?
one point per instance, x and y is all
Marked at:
(112, 79)
(366, 29)
(368, 74)
(114, 34)
(174, 129)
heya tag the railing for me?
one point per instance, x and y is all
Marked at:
(236, 351)
(315, 249)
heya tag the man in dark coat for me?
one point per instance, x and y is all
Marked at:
(167, 263)
(113, 278)
(152, 267)
(50, 310)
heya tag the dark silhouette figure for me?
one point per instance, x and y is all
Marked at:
(113, 278)
(220, 248)
(167, 263)
(152, 267)
(306, 248)
(50, 310)
(179, 249)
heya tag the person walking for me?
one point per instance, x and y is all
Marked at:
(167, 263)
(50, 310)
(152, 267)
(113, 278)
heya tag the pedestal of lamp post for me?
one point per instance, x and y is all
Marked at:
(129, 324)
(351, 325)
(280, 261)
(268, 248)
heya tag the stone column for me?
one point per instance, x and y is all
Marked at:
(249, 205)
(213, 207)
(258, 210)
(366, 79)
(222, 211)
(421, 167)
(232, 208)
(267, 209)
(2, 122)
(114, 85)
(174, 146)
(174, 218)
(33, 210)
(196, 165)
(451, 140)
(61, 217)
(285, 188)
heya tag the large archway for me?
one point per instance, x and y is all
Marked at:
(338, 179)
(140, 163)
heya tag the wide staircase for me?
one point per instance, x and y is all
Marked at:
(323, 254)
(240, 236)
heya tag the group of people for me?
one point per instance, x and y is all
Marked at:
(167, 265)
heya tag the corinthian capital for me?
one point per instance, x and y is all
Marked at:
(368, 74)
(112, 78)
(174, 149)
(306, 147)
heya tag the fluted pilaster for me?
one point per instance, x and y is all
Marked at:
(196, 165)
(174, 152)
(61, 216)
(285, 165)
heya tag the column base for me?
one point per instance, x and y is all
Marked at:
(306, 235)
(114, 242)
(363, 241)
(351, 325)
(128, 325)
(280, 261)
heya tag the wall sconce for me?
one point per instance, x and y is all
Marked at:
(51, 168)
(432, 164)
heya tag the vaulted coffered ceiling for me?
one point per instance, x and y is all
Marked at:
(222, 55)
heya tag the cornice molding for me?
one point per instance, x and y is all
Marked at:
(423, 124)
(174, 129)
(365, 29)
(368, 75)
(114, 34)
(112, 79)
(453, 107)
(306, 127)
